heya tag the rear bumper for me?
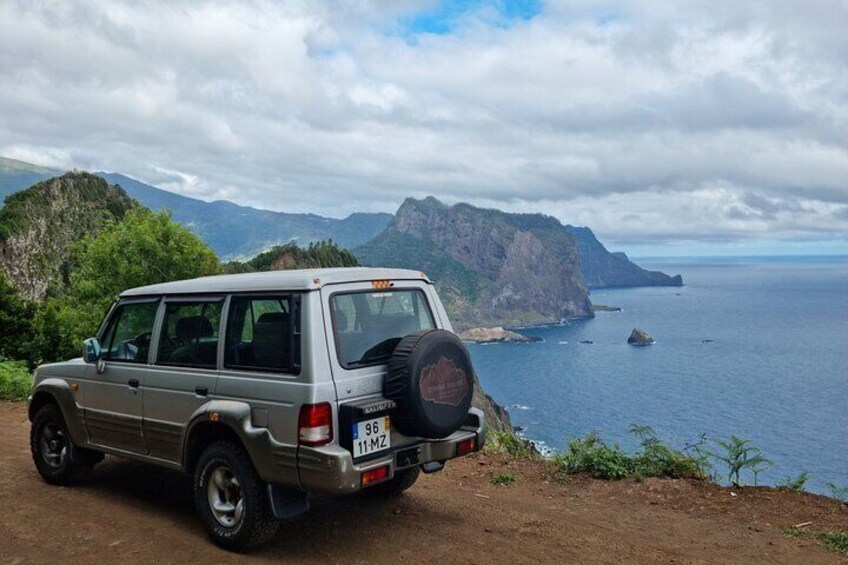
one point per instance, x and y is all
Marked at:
(331, 469)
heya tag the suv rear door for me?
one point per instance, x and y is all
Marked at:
(184, 372)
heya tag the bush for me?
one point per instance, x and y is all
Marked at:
(15, 380)
(592, 455)
(508, 442)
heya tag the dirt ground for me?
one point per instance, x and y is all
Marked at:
(132, 513)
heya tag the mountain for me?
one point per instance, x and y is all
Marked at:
(235, 231)
(39, 225)
(600, 268)
(491, 267)
(231, 230)
(16, 175)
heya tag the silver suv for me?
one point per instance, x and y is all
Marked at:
(265, 387)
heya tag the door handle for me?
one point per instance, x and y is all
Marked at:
(133, 383)
(201, 391)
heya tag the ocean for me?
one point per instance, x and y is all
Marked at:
(754, 347)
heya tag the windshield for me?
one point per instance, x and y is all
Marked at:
(369, 325)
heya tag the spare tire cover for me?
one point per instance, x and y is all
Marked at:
(431, 379)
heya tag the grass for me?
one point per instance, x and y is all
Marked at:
(15, 380)
(503, 479)
(835, 541)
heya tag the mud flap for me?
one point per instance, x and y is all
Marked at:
(287, 503)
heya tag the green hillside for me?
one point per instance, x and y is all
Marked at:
(39, 225)
(323, 254)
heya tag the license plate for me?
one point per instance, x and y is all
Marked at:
(371, 436)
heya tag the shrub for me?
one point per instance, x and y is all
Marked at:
(508, 442)
(15, 380)
(592, 455)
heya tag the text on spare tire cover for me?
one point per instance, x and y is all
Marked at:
(443, 382)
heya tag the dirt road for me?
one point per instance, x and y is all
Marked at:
(131, 513)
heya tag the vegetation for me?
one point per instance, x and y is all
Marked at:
(835, 541)
(503, 479)
(318, 255)
(739, 455)
(17, 323)
(15, 380)
(837, 492)
(508, 442)
(796, 483)
(592, 455)
(144, 248)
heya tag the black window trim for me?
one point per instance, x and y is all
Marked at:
(356, 367)
(295, 300)
(112, 317)
(190, 299)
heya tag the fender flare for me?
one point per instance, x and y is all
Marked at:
(60, 393)
(234, 415)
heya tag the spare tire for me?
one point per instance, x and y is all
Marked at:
(431, 379)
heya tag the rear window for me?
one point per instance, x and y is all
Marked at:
(369, 325)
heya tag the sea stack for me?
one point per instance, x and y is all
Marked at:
(640, 337)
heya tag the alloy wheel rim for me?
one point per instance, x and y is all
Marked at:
(226, 499)
(53, 445)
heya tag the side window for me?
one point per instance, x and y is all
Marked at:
(127, 337)
(259, 333)
(190, 334)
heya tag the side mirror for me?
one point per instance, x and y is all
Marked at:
(91, 350)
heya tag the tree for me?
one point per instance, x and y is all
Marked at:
(17, 329)
(144, 248)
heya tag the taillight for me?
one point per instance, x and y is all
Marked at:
(315, 424)
(466, 446)
(375, 475)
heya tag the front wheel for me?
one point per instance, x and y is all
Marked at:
(231, 499)
(56, 458)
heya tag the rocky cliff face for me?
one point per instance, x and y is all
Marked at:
(601, 268)
(39, 225)
(492, 268)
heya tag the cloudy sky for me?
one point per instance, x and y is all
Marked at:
(668, 127)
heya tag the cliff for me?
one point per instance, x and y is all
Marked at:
(491, 268)
(601, 268)
(39, 225)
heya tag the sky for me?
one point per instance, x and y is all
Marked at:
(668, 127)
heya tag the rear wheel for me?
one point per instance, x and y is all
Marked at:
(402, 480)
(231, 499)
(56, 458)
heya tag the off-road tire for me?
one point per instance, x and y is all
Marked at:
(76, 461)
(257, 524)
(402, 480)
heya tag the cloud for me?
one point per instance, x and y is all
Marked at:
(647, 121)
